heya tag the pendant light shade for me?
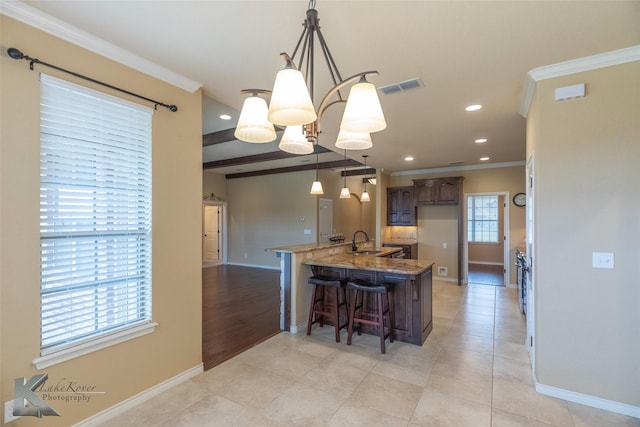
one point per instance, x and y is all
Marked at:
(316, 187)
(290, 101)
(253, 125)
(293, 141)
(353, 140)
(345, 193)
(363, 112)
(365, 196)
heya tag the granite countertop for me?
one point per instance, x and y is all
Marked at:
(412, 267)
(308, 247)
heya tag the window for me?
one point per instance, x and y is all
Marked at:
(482, 219)
(95, 215)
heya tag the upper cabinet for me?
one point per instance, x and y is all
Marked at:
(401, 209)
(441, 191)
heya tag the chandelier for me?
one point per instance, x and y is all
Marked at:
(292, 97)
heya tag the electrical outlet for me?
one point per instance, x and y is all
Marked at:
(602, 260)
(8, 412)
(443, 271)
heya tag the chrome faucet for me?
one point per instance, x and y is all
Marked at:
(353, 241)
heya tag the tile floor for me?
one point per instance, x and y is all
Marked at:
(473, 370)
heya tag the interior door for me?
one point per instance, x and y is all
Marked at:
(325, 220)
(211, 238)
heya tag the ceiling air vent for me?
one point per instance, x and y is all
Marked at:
(401, 86)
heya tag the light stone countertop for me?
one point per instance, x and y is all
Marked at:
(412, 267)
(308, 247)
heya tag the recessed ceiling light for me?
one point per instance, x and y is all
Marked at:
(225, 117)
(480, 140)
(408, 158)
(484, 159)
(474, 107)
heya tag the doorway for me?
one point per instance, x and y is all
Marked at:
(325, 220)
(213, 234)
(486, 239)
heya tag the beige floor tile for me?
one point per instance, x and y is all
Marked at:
(586, 416)
(413, 370)
(350, 415)
(516, 371)
(246, 384)
(506, 419)
(387, 395)
(511, 350)
(437, 409)
(461, 382)
(472, 360)
(334, 378)
(302, 405)
(512, 335)
(475, 318)
(521, 399)
(357, 356)
(290, 363)
(468, 342)
(212, 411)
(487, 310)
(472, 328)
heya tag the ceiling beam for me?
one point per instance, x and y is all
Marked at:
(222, 136)
(264, 157)
(310, 166)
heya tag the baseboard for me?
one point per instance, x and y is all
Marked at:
(268, 267)
(485, 263)
(588, 400)
(446, 279)
(139, 398)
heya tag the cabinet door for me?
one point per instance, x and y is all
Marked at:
(449, 190)
(393, 206)
(426, 192)
(407, 207)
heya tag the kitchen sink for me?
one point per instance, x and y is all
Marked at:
(367, 252)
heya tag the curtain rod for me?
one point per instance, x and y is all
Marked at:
(17, 54)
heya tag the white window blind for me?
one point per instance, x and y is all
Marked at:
(95, 214)
(482, 219)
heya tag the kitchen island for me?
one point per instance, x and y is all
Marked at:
(412, 287)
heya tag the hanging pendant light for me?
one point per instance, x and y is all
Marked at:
(293, 141)
(363, 112)
(253, 125)
(345, 193)
(290, 100)
(316, 187)
(353, 140)
(365, 194)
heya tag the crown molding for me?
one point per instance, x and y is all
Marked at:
(56, 27)
(588, 63)
(458, 168)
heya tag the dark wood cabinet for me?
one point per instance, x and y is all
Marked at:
(401, 208)
(412, 300)
(440, 191)
(410, 251)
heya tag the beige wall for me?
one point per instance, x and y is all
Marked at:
(126, 369)
(438, 224)
(265, 211)
(586, 154)
(214, 183)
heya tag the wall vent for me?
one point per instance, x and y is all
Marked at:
(442, 271)
(456, 163)
(401, 86)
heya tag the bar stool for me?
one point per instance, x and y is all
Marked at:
(359, 290)
(318, 309)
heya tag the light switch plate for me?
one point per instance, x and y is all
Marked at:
(603, 260)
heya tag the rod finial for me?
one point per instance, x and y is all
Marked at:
(172, 108)
(15, 53)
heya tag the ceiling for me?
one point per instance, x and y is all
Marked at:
(463, 52)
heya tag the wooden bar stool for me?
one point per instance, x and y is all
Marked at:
(318, 309)
(358, 315)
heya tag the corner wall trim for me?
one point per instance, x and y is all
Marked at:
(585, 399)
(139, 398)
(606, 59)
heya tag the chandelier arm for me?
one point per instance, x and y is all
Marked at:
(255, 92)
(325, 101)
(331, 64)
(302, 37)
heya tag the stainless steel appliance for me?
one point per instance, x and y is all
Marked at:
(523, 269)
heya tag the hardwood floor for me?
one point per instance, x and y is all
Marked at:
(486, 274)
(240, 308)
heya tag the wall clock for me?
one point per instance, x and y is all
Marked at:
(520, 199)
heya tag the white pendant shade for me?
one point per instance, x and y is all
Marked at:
(363, 112)
(253, 125)
(293, 141)
(345, 193)
(316, 188)
(353, 140)
(290, 101)
(365, 196)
